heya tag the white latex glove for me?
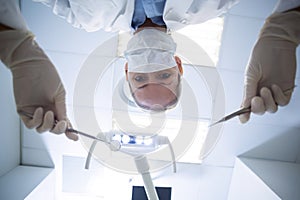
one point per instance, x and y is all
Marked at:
(270, 74)
(37, 86)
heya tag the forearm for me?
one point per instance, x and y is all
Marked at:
(10, 41)
(284, 26)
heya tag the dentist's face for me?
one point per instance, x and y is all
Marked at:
(156, 91)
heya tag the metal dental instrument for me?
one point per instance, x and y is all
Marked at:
(113, 144)
(232, 115)
(240, 111)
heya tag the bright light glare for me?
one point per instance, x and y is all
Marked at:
(125, 139)
(148, 141)
(171, 129)
(139, 140)
(117, 137)
(207, 35)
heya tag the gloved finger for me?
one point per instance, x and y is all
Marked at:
(69, 134)
(48, 122)
(252, 77)
(60, 104)
(72, 136)
(61, 113)
(258, 106)
(60, 127)
(249, 92)
(34, 121)
(250, 88)
(281, 98)
(268, 100)
(244, 117)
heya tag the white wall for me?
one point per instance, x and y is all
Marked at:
(9, 123)
(282, 177)
(285, 148)
(247, 185)
(21, 181)
(265, 179)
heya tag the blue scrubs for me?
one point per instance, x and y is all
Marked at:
(152, 9)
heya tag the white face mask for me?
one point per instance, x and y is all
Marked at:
(150, 50)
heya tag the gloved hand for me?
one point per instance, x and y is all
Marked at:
(270, 74)
(37, 86)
